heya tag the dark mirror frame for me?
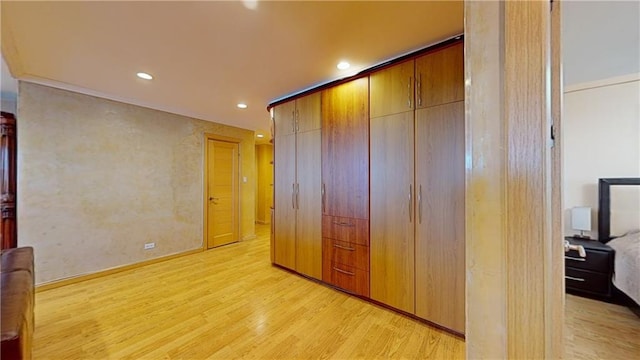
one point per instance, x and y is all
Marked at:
(604, 204)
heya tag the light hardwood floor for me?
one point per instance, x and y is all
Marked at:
(230, 302)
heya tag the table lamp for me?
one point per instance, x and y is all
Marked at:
(581, 220)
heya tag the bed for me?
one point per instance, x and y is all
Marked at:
(626, 243)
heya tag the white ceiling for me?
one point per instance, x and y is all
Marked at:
(208, 56)
(600, 40)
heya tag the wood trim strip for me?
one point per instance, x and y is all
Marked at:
(95, 275)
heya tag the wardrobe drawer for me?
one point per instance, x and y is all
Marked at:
(346, 229)
(347, 278)
(587, 281)
(346, 253)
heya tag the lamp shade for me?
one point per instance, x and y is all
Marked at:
(581, 218)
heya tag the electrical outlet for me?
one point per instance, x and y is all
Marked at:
(148, 246)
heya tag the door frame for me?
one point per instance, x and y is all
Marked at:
(205, 171)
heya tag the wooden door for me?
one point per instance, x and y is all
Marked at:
(391, 90)
(440, 223)
(308, 112)
(284, 118)
(345, 149)
(222, 193)
(308, 204)
(392, 211)
(284, 204)
(440, 77)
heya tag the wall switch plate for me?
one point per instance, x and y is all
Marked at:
(148, 246)
(244, 179)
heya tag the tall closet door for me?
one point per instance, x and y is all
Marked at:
(440, 249)
(285, 201)
(392, 211)
(308, 193)
(345, 149)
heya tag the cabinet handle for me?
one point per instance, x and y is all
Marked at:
(297, 120)
(297, 196)
(420, 204)
(343, 271)
(575, 258)
(343, 247)
(293, 195)
(272, 222)
(340, 223)
(419, 90)
(570, 278)
(409, 93)
(410, 202)
(293, 121)
(322, 192)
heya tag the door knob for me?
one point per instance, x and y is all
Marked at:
(214, 199)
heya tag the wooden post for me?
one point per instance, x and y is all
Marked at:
(512, 292)
(8, 229)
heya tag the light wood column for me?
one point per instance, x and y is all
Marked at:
(510, 255)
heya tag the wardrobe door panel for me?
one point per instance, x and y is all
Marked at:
(440, 246)
(284, 118)
(440, 77)
(284, 204)
(308, 203)
(391, 90)
(392, 211)
(345, 149)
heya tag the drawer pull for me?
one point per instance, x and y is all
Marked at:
(339, 223)
(343, 247)
(343, 271)
(575, 258)
(570, 278)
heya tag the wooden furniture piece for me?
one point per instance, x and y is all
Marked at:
(298, 221)
(417, 188)
(8, 177)
(345, 186)
(392, 185)
(591, 274)
(18, 300)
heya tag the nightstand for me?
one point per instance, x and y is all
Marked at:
(590, 275)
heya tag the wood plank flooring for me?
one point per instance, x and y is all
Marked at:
(224, 303)
(230, 303)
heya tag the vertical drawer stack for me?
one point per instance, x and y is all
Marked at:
(345, 252)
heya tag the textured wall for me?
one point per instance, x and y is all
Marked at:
(97, 179)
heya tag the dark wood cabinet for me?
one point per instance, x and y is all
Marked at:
(8, 177)
(590, 275)
(345, 149)
(345, 186)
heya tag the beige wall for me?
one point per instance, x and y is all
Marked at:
(264, 192)
(601, 127)
(97, 179)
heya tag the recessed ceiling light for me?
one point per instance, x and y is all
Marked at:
(343, 65)
(260, 135)
(242, 105)
(144, 75)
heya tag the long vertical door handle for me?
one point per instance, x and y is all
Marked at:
(297, 196)
(419, 89)
(420, 204)
(410, 202)
(272, 221)
(297, 120)
(322, 192)
(293, 195)
(293, 121)
(409, 92)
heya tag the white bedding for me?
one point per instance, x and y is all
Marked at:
(626, 275)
